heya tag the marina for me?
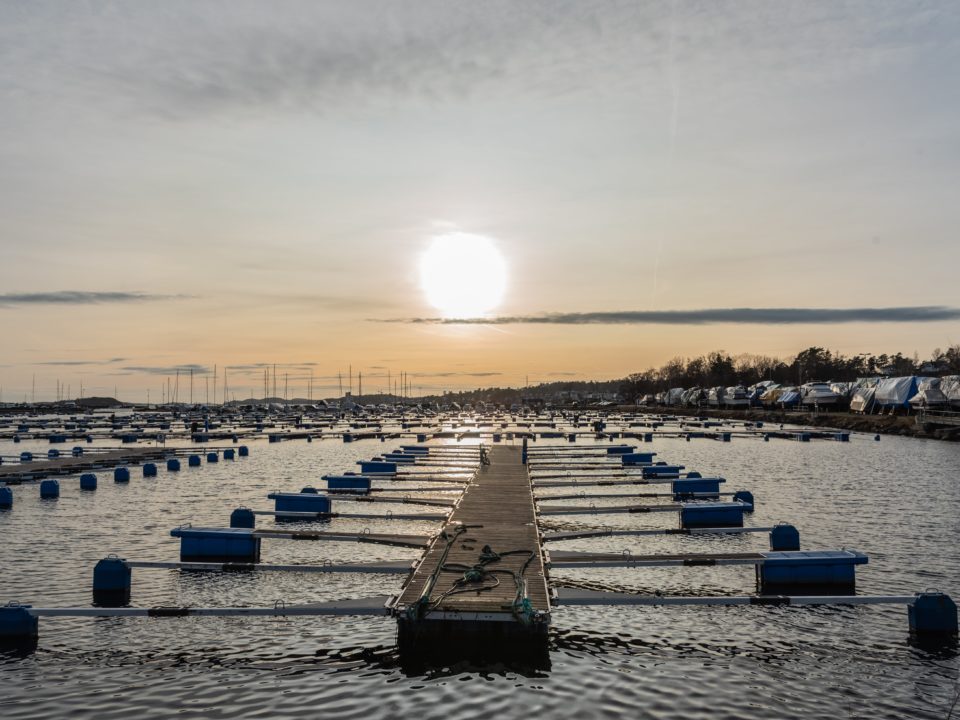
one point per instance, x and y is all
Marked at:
(483, 582)
(456, 544)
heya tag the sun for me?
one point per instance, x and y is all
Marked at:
(463, 275)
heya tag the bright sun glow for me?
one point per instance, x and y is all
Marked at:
(463, 275)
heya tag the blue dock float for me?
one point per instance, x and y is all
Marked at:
(228, 454)
(217, 544)
(783, 572)
(88, 481)
(637, 458)
(400, 458)
(111, 582)
(415, 449)
(784, 537)
(375, 467)
(308, 502)
(746, 497)
(359, 484)
(243, 517)
(689, 486)
(121, 475)
(620, 449)
(149, 470)
(193, 461)
(243, 451)
(662, 471)
(173, 465)
(933, 615)
(6, 498)
(712, 514)
(213, 457)
(49, 489)
(53, 454)
(17, 625)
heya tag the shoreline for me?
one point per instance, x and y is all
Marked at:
(902, 425)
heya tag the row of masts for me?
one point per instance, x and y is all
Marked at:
(399, 385)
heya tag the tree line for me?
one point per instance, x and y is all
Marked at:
(717, 368)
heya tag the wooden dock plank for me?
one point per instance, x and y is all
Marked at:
(497, 509)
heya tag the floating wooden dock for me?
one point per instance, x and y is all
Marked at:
(481, 584)
(65, 465)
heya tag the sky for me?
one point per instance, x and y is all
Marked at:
(243, 184)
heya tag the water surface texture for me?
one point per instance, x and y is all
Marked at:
(897, 500)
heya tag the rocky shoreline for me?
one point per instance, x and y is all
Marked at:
(904, 425)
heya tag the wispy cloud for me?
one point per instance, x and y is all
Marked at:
(168, 370)
(72, 363)
(80, 297)
(67, 363)
(204, 59)
(712, 316)
(457, 374)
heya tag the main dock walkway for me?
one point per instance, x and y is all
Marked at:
(482, 580)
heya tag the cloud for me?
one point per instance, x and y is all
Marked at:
(713, 316)
(170, 369)
(70, 363)
(67, 362)
(210, 57)
(80, 297)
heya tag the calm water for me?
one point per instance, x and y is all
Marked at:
(898, 500)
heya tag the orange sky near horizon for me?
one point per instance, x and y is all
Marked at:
(260, 187)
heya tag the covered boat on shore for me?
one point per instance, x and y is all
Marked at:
(715, 397)
(788, 397)
(770, 396)
(735, 397)
(862, 399)
(818, 395)
(694, 397)
(673, 396)
(929, 395)
(950, 387)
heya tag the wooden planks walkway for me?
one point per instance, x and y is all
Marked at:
(439, 605)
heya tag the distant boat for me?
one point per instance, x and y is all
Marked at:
(819, 394)
(930, 395)
(735, 397)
